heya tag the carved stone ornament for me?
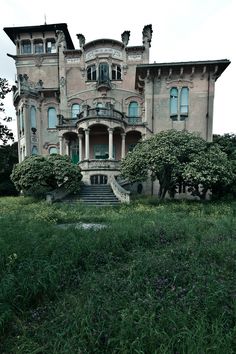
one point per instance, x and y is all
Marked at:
(81, 39)
(38, 61)
(147, 34)
(62, 81)
(60, 38)
(125, 37)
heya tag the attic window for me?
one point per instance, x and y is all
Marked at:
(26, 47)
(38, 46)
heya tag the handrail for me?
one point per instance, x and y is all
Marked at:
(122, 194)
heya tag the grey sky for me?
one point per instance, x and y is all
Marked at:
(182, 30)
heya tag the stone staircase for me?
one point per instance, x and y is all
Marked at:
(98, 195)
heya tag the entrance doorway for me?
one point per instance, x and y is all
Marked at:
(98, 179)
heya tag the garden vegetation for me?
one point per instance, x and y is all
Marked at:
(160, 278)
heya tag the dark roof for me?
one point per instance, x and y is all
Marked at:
(12, 32)
(222, 65)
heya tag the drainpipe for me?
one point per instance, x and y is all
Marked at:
(208, 105)
(152, 103)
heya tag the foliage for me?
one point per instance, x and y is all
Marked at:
(208, 170)
(5, 132)
(164, 155)
(38, 175)
(156, 280)
(227, 144)
(8, 158)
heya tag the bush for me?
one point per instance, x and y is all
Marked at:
(38, 175)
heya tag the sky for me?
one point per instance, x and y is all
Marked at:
(183, 30)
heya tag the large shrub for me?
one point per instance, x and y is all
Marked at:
(38, 175)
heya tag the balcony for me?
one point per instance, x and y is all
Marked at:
(99, 165)
(98, 112)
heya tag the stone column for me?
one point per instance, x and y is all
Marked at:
(67, 147)
(123, 145)
(86, 144)
(60, 145)
(80, 147)
(110, 131)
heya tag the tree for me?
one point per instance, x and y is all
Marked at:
(38, 175)
(208, 171)
(227, 143)
(5, 133)
(8, 158)
(163, 156)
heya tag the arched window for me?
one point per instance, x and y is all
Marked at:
(34, 150)
(33, 117)
(52, 118)
(133, 109)
(75, 109)
(116, 72)
(174, 102)
(184, 101)
(53, 150)
(38, 46)
(26, 47)
(91, 73)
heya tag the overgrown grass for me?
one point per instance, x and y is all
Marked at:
(159, 279)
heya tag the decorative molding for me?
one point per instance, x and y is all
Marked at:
(39, 60)
(179, 83)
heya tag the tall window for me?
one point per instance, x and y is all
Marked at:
(38, 46)
(75, 109)
(184, 101)
(133, 109)
(174, 102)
(91, 73)
(179, 103)
(34, 150)
(33, 117)
(51, 46)
(103, 72)
(26, 47)
(52, 118)
(116, 72)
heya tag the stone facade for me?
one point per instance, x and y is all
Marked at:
(96, 102)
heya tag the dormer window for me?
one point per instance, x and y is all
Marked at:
(26, 47)
(51, 46)
(38, 46)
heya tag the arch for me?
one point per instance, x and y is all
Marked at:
(133, 109)
(53, 150)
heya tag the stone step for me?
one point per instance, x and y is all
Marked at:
(97, 195)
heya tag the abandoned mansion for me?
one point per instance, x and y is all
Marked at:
(94, 103)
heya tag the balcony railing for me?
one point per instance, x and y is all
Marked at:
(98, 112)
(99, 165)
(134, 120)
(101, 113)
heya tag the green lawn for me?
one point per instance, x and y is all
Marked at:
(160, 278)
